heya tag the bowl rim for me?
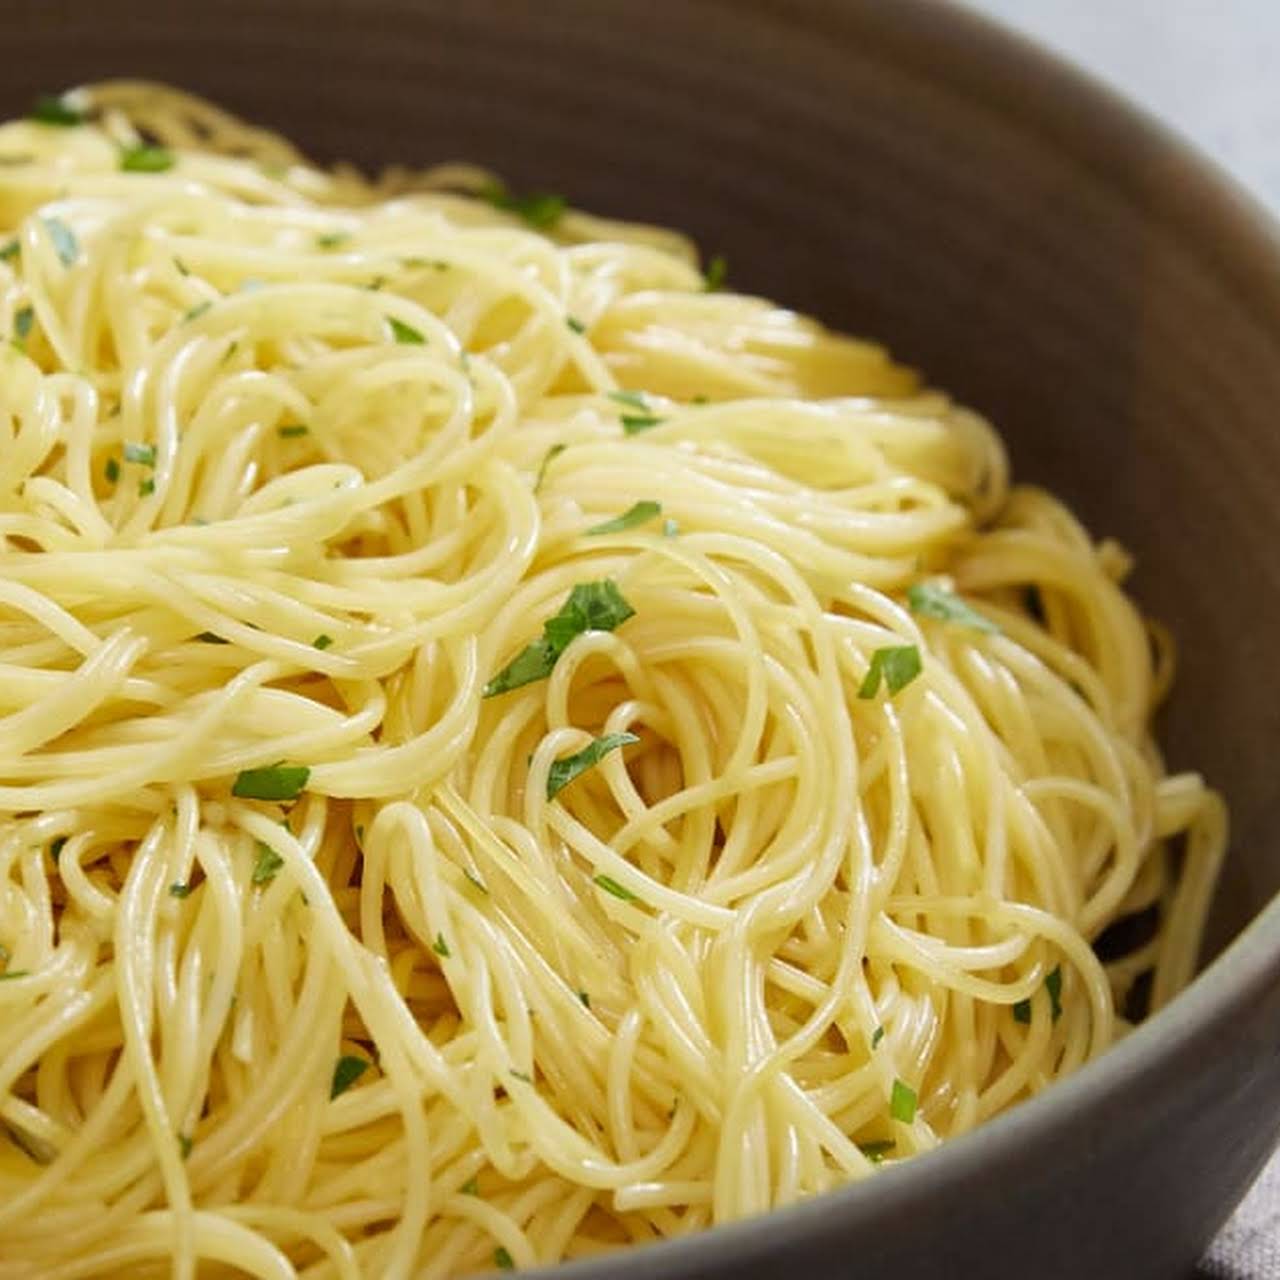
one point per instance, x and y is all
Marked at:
(1199, 203)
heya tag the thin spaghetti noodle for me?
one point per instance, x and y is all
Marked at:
(506, 752)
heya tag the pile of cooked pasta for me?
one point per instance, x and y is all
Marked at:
(508, 748)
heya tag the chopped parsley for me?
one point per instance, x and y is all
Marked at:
(347, 1070)
(632, 399)
(898, 665)
(52, 108)
(183, 269)
(185, 1144)
(441, 947)
(291, 430)
(634, 423)
(9, 251)
(539, 209)
(143, 454)
(405, 333)
(503, 1259)
(547, 458)
(208, 637)
(638, 513)
(522, 1076)
(179, 889)
(64, 240)
(902, 1102)
(23, 320)
(112, 470)
(575, 324)
(145, 159)
(670, 528)
(332, 239)
(585, 998)
(471, 1187)
(322, 642)
(268, 864)
(147, 487)
(194, 313)
(610, 885)
(591, 606)
(14, 973)
(273, 782)
(563, 772)
(930, 600)
(713, 277)
(876, 1036)
(1052, 985)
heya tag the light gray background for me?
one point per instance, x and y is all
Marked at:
(1211, 70)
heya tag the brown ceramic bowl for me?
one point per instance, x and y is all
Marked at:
(1110, 300)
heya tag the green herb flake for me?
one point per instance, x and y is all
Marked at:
(563, 772)
(146, 488)
(64, 240)
(591, 606)
(1022, 1012)
(929, 600)
(208, 637)
(23, 320)
(876, 1036)
(143, 454)
(575, 324)
(346, 1072)
(503, 1260)
(670, 528)
(274, 782)
(405, 333)
(610, 885)
(9, 974)
(441, 947)
(632, 399)
(179, 890)
(539, 209)
(634, 423)
(471, 1187)
(56, 848)
(522, 1076)
(194, 313)
(183, 269)
(713, 277)
(876, 1151)
(51, 108)
(1053, 985)
(10, 251)
(638, 513)
(291, 430)
(112, 470)
(332, 239)
(268, 864)
(585, 998)
(898, 665)
(902, 1102)
(547, 458)
(184, 1145)
(322, 642)
(146, 159)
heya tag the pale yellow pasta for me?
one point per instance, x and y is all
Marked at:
(293, 464)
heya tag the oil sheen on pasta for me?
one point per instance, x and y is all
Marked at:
(508, 752)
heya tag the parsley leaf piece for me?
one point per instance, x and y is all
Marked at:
(291, 430)
(610, 885)
(347, 1070)
(332, 239)
(503, 1259)
(522, 1076)
(670, 528)
(563, 772)
(273, 782)
(112, 470)
(143, 454)
(441, 947)
(1053, 985)
(10, 251)
(638, 513)
(268, 864)
(632, 399)
(876, 1036)
(53, 108)
(64, 240)
(591, 606)
(634, 423)
(540, 209)
(146, 488)
(208, 637)
(405, 333)
(185, 1144)
(179, 890)
(23, 320)
(145, 159)
(902, 1102)
(194, 313)
(547, 458)
(575, 324)
(713, 277)
(14, 973)
(471, 1187)
(898, 665)
(585, 998)
(930, 600)
(322, 642)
